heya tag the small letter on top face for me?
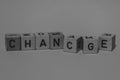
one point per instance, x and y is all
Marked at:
(90, 45)
(13, 42)
(107, 42)
(28, 41)
(42, 40)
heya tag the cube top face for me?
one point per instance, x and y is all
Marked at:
(108, 35)
(12, 35)
(72, 37)
(90, 37)
(55, 33)
(27, 35)
(41, 34)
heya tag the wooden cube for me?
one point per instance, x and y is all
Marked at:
(107, 42)
(42, 40)
(72, 44)
(28, 41)
(12, 42)
(90, 45)
(56, 40)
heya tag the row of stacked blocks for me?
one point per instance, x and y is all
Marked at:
(57, 40)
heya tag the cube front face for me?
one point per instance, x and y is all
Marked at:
(42, 41)
(70, 45)
(56, 40)
(90, 45)
(107, 42)
(28, 41)
(13, 42)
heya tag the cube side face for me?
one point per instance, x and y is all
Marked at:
(90, 46)
(28, 42)
(42, 42)
(13, 43)
(80, 43)
(70, 45)
(56, 41)
(113, 42)
(107, 43)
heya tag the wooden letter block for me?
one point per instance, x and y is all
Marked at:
(90, 45)
(56, 40)
(28, 41)
(72, 44)
(42, 41)
(107, 42)
(12, 42)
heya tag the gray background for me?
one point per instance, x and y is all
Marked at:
(70, 17)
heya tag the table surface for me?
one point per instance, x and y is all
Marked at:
(84, 17)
